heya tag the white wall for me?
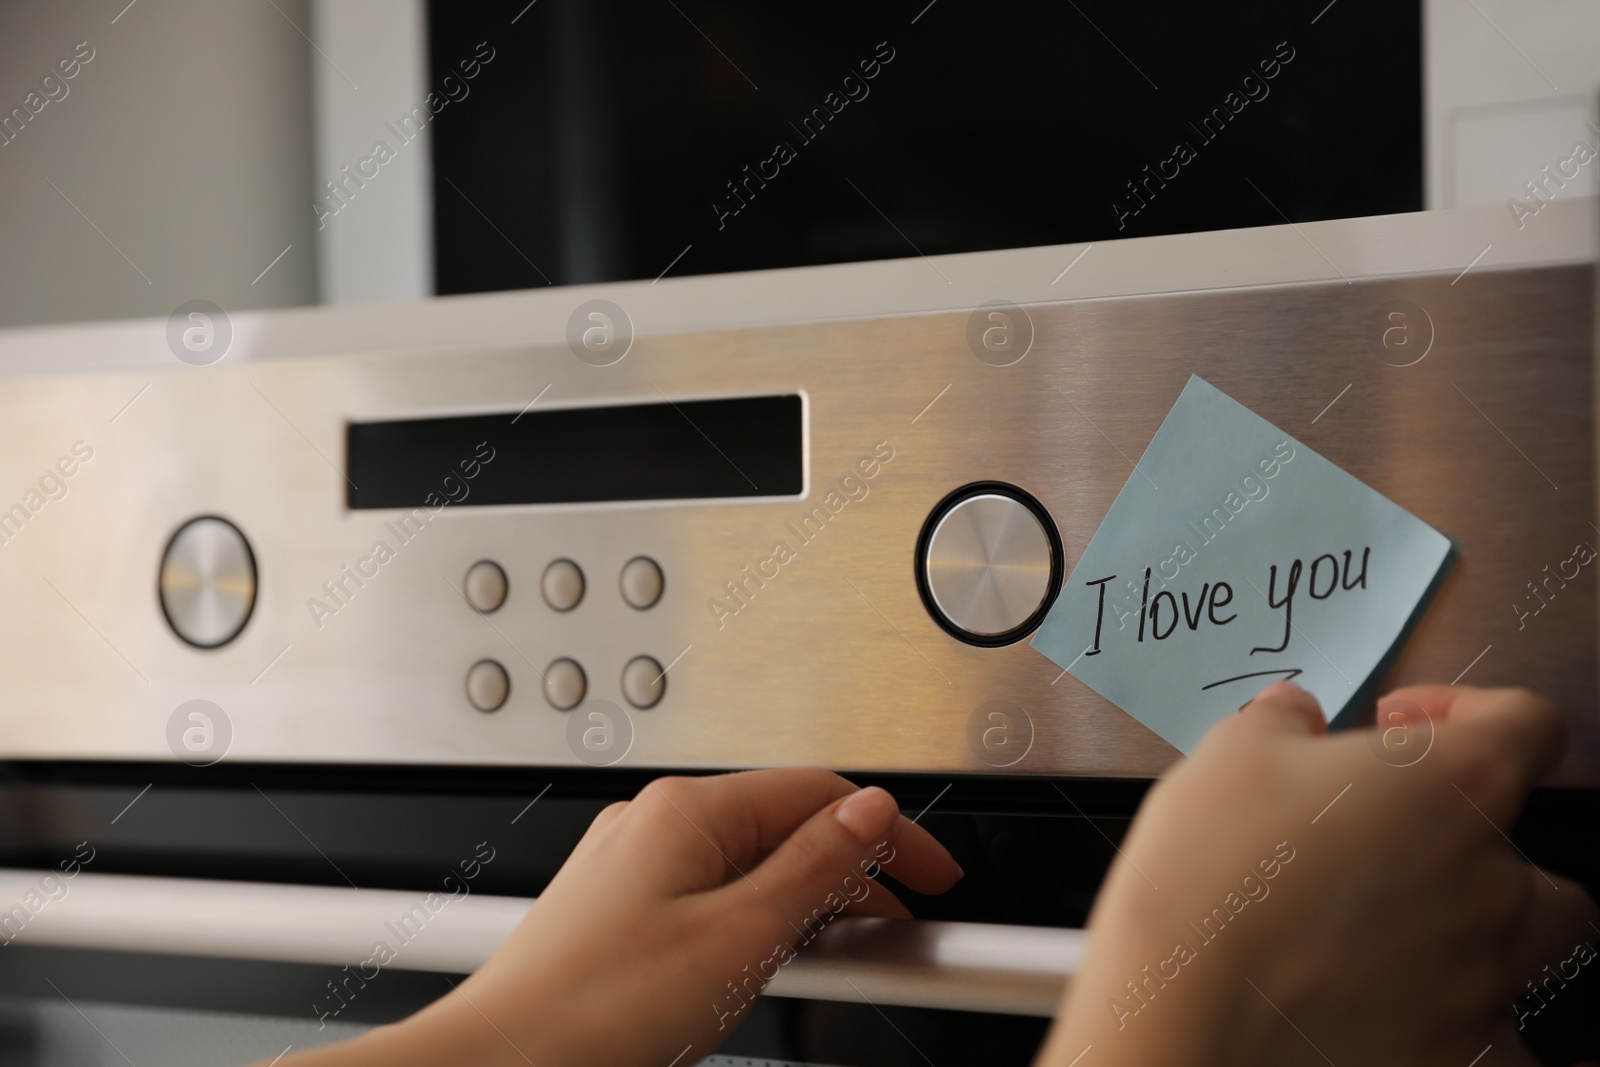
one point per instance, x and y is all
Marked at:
(378, 248)
(185, 141)
(1511, 87)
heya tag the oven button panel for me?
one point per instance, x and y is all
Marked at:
(565, 682)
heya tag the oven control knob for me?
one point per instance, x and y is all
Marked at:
(208, 582)
(989, 563)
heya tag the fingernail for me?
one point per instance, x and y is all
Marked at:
(1398, 709)
(867, 814)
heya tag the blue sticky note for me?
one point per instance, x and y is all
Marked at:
(1233, 557)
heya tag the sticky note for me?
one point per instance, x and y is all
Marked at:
(1235, 556)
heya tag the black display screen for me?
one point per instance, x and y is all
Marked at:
(676, 450)
(615, 139)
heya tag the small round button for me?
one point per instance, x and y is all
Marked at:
(207, 582)
(488, 685)
(564, 684)
(643, 682)
(562, 585)
(989, 563)
(486, 586)
(642, 582)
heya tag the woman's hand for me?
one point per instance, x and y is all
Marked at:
(1289, 897)
(666, 921)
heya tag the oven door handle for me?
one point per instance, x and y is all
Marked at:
(1015, 970)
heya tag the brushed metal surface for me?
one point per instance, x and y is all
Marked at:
(208, 582)
(1016, 970)
(988, 564)
(830, 656)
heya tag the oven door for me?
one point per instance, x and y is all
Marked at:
(357, 754)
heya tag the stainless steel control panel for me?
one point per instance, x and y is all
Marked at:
(204, 547)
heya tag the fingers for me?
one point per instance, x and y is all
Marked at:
(823, 867)
(1516, 722)
(1285, 707)
(746, 814)
(750, 816)
(608, 815)
(913, 855)
(1496, 743)
(1434, 700)
(596, 832)
(707, 830)
(918, 861)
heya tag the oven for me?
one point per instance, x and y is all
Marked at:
(502, 490)
(256, 737)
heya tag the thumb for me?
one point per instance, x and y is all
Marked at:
(1287, 708)
(820, 869)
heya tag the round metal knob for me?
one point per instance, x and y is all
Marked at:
(989, 564)
(208, 582)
